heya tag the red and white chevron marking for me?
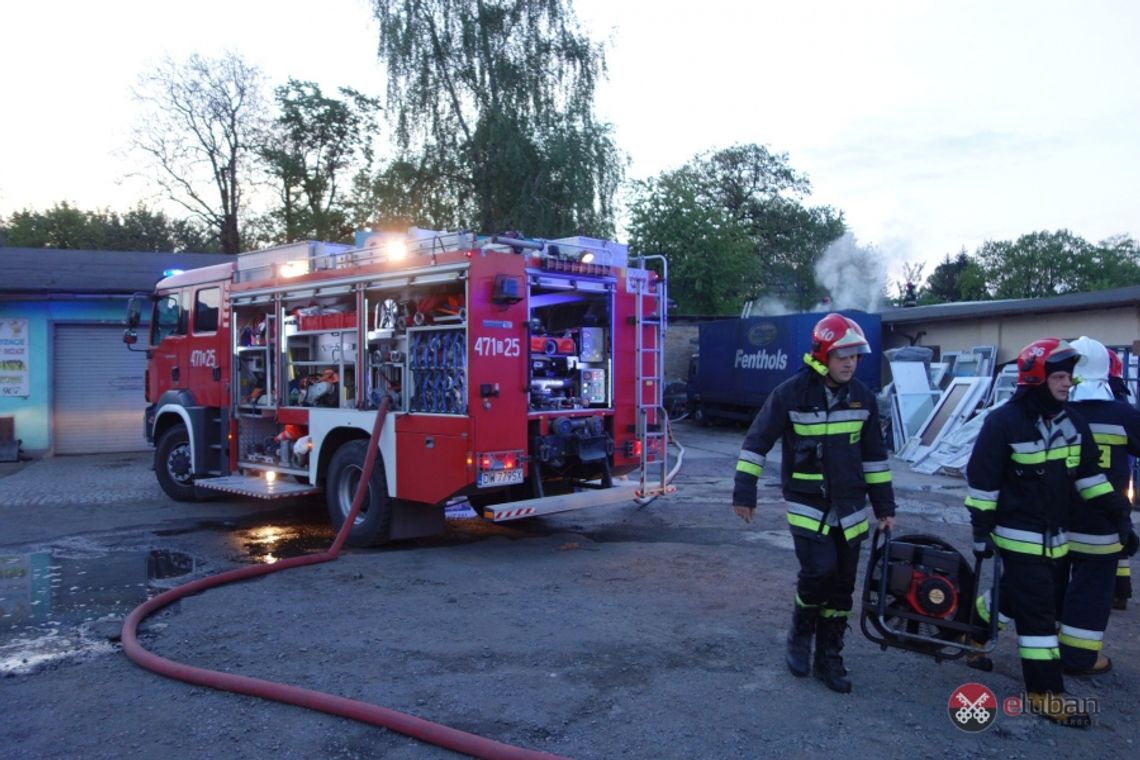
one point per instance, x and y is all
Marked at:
(514, 513)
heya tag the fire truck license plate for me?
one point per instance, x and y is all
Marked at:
(500, 478)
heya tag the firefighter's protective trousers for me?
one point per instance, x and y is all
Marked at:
(1032, 589)
(828, 564)
(1085, 612)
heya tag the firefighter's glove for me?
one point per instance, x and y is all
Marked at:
(983, 549)
(1130, 542)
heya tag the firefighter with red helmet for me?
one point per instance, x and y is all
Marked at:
(1029, 455)
(833, 458)
(1095, 540)
(1123, 591)
(1116, 377)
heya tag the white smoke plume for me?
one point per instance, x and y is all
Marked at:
(854, 275)
(768, 306)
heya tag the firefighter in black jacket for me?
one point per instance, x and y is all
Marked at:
(1094, 538)
(1029, 455)
(1123, 590)
(832, 459)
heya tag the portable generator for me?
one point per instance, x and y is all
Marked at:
(918, 595)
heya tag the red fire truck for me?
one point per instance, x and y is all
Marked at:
(524, 375)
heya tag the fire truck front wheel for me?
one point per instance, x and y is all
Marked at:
(373, 523)
(172, 465)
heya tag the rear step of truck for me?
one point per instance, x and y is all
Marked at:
(260, 488)
(567, 502)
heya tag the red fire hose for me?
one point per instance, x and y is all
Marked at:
(424, 730)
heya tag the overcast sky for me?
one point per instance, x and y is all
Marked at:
(932, 125)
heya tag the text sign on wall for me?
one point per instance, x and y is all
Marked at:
(13, 357)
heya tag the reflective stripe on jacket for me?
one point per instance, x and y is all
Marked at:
(1024, 475)
(1115, 427)
(832, 460)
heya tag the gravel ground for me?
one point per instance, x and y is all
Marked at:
(651, 632)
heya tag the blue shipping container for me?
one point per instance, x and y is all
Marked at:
(740, 361)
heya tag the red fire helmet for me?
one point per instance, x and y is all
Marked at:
(1042, 357)
(836, 332)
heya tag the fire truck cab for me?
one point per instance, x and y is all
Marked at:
(523, 375)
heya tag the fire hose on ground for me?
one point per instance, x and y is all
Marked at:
(417, 728)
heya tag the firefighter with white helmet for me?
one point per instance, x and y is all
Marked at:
(1029, 456)
(1097, 544)
(833, 458)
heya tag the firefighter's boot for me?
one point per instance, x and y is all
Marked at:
(799, 640)
(977, 660)
(828, 660)
(1102, 665)
(1059, 708)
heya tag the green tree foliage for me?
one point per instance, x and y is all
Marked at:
(1112, 263)
(765, 194)
(1043, 264)
(200, 134)
(140, 229)
(712, 267)
(313, 149)
(793, 239)
(408, 192)
(760, 194)
(953, 280)
(495, 99)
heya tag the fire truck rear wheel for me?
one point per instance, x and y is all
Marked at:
(172, 465)
(373, 522)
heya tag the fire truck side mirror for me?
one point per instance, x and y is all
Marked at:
(130, 338)
(134, 310)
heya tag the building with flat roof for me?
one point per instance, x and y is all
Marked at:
(68, 385)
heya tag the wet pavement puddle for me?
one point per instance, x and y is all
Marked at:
(62, 603)
(67, 602)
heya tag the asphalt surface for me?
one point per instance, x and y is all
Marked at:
(79, 479)
(620, 631)
(129, 477)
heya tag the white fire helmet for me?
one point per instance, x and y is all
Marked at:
(1092, 370)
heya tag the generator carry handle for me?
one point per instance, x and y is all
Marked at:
(899, 628)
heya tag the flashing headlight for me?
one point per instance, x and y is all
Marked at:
(397, 249)
(270, 476)
(586, 257)
(293, 268)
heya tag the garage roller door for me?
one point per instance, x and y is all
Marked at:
(97, 394)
